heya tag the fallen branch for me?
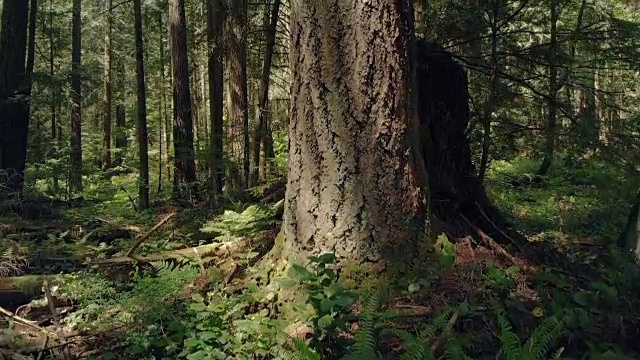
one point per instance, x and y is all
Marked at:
(56, 319)
(133, 202)
(144, 237)
(220, 250)
(22, 321)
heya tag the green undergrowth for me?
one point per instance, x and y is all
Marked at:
(573, 202)
(459, 306)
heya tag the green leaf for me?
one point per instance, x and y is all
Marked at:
(325, 321)
(197, 298)
(324, 259)
(582, 298)
(326, 305)
(207, 335)
(299, 272)
(413, 288)
(199, 307)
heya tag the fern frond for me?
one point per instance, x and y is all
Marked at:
(303, 351)
(543, 338)
(511, 347)
(365, 339)
(418, 351)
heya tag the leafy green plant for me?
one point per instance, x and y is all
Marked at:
(252, 220)
(220, 327)
(537, 347)
(331, 302)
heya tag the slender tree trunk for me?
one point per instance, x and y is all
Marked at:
(491, 100)
(121, 137)
(184, 183)
(420, 17)
(54, 88)
(553, 93)
(163, 95)
(14, 96)
(108, 90)
(237, 101)
(261, 125)
(31, 47)
(356, 180)
(215, 18)
(161, 108)
(75, 174)
(141, 124)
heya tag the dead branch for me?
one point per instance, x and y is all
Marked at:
(144, 237)
(22, 321)
(56, 318)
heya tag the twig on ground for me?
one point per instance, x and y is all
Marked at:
(144, 237)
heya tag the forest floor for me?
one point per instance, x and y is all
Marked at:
(193, 290)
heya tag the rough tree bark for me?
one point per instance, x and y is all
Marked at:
(141, 124)
(552, 103)
(14, 97)
(237, 103)
(163, 95)
(215, 18)
(457, 195)
(356, 182)
(261, 126)
(184, 175)
(108, 90)
(31, 47)
(75, 173)
(54, 103)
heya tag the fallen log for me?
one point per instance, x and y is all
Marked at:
(25, 283)
(202, 253)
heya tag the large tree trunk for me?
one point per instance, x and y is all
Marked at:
(75, 173)
(141, 124)
(356, 181)
(184, 176)
(457, 195)
(215, 18)
(14, 96)
(261, 127)
(108, 90)
(237, 103)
